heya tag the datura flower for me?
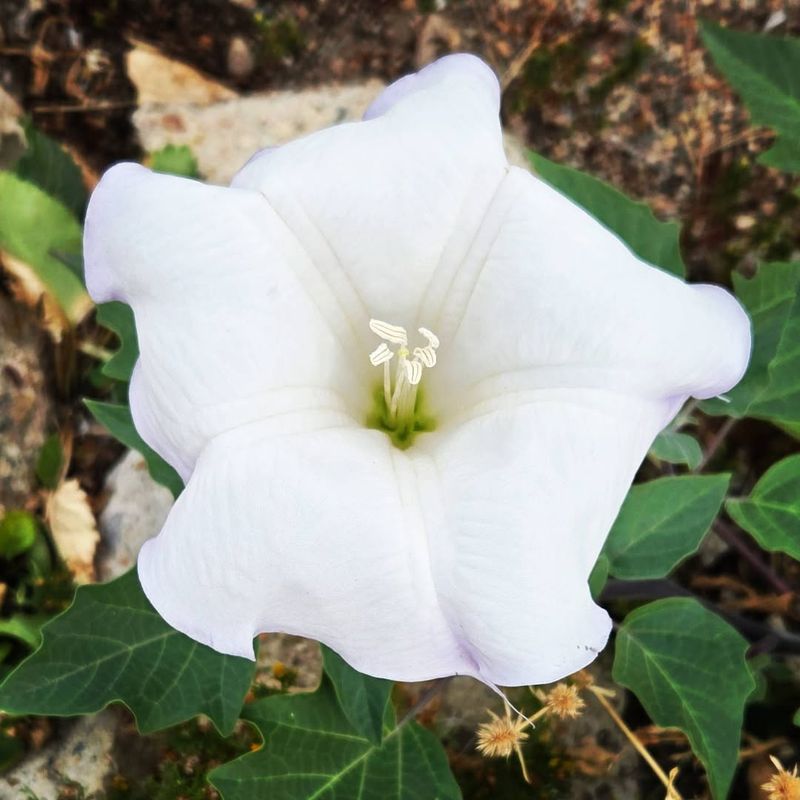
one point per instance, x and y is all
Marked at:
(406, 384)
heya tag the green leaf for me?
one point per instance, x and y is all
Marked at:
(599, 575)
(796, 719)
(772, 382)
(765, 71)
(47, 165)
(25, 628)
(118, 420)
(50, 462)
(771, 515)
(362, 698)
(118, 317)
(653, 241)
(661, 523)
(677, 448)
(17, 533)
(33, 226)
(311, 751)
(175, 160)
(688, 669)
(110, 645)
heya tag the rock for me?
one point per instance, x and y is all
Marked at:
(137, 508)
(80, 758)
(224, 135)
(24, 403)
(240, 58)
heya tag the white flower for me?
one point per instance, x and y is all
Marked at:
(554, 356)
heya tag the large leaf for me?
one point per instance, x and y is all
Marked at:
(656, 242)
(118, 420)
(661, 523)
(772, 381)
(118, 318)
(362, 698)
(765, 70)
(111, 645)
(34, 228)
(688, 669)
(771, 515)
(46, 164)
(311, 751)
(677, 448)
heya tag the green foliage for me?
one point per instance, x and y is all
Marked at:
(47, 165)
(25, 628)
(661, 523)
(677, 448)
(34, 228)
(311, 750)
(771, 387)
(175, 160)
(771, 515)
(688, 669)
(118, 420)
(118, 317)
(50, 462)
(111, 645)
(765, 70)
(362, 699)
(17, 533)
(656, 242)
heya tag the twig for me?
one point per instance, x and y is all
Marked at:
(730, 536)
(672, 792)
(423, 700)
(71, 108)
(519, 61)
(716, 442)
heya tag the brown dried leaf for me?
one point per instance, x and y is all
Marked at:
(160, 79)
(74, 529)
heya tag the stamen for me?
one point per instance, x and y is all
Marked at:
(392, 333)
(400, 393)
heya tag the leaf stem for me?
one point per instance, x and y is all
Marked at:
(672, 792)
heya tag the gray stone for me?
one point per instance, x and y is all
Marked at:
(137, 508)
(81, 758)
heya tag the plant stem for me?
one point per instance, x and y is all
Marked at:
(716, 442)
(672, 792)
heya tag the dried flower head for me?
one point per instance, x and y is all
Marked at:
(501, 736)
(783, 785)
(564, 701)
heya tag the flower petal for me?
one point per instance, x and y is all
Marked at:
(317, 534)
(387, 207)
(528, 495)
(228, 330)
(550, 298)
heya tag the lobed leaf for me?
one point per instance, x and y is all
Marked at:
(111, 645)
(688, 669)
(765, 71)
(118, 420)
(118, 317)
(363, 699)
(655, 242)
(312, 751)
(661, 523)
(771, 515)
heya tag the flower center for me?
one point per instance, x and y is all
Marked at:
(398, 401)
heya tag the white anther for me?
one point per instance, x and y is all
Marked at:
(380, 355)
(433, 339)
(391, 333)
(427, 355)
(413, 371)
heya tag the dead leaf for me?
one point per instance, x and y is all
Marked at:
(74, 529)
(28, 289)
(160, 79)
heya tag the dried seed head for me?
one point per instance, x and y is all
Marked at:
(564, 701)
(783, 785)
(501, 736)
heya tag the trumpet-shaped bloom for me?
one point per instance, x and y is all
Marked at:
(407, 385)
